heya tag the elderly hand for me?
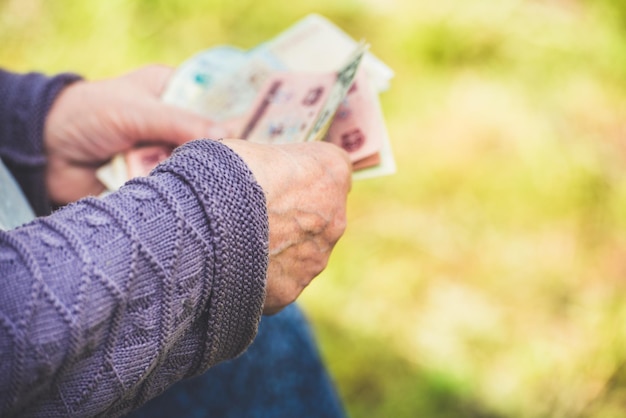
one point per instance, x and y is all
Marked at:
(306, 187)
(92, 121)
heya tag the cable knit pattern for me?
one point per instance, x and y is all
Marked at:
(107, 302)
(24, 104)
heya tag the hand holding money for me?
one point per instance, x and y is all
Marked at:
(311, 82)
(306, 187)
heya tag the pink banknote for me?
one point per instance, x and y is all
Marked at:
(300, 106)
(288, 107)
(358, 126)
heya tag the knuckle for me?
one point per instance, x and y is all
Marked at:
(321, 265)
(313, 223)
(341, 225)
(336, 230)
(292, 294)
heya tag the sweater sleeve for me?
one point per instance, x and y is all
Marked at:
(106, 302)
(25, 100)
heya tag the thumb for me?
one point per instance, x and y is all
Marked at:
(166, 123)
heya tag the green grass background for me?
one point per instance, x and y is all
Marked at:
(487, 278)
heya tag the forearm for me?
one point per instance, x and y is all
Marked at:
(24, 103)
(107, 302)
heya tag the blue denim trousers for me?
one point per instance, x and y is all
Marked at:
(280, 375)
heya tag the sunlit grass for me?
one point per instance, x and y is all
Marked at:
(486, 277)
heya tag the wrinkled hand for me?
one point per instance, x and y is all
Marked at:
(92, 121)
(306, 187)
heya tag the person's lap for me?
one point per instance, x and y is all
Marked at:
(280, 375)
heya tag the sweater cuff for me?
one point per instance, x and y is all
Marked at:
(25, 100)
(235, 210)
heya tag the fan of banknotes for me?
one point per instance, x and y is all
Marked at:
(311, 82)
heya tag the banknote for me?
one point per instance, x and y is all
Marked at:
(288, 108)
(345, 78)
(199, 75)
(298, 107)
(385, 166)
(358, 126)
(220, 83)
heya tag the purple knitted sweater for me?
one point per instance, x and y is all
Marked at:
(107, 302)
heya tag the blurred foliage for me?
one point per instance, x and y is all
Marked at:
(487, 277)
